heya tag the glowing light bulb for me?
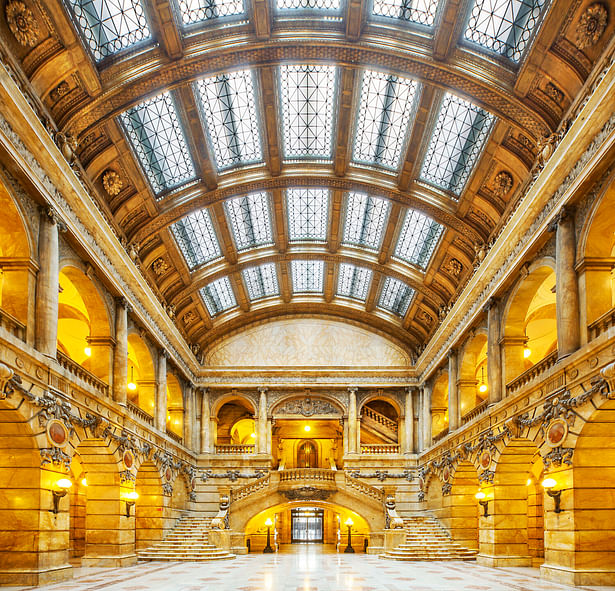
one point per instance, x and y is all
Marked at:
(526, 352)
(84, 481)
(482, 388)
(529, 482)
(253, 435)
(480, 495)
(131, 386)
(268, 522)
(132, 495)
(307, 428)
(549, 483)
(349, 522)
(64, 483)
(88, 351)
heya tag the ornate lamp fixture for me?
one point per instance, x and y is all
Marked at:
(483, 501)
(548, 484)
(131, 385)
(268, 549)
(130, 499)
(483, 387)
(349, 549)
(62, 488)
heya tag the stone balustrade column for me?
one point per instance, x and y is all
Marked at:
(566, 284)
(261, 442)
(352, 420)
(47, 285)
(494, 352)
(454, 418)
(205, 423)
(426, 415)
(160, 419)
(408, 439)
(189, 418)
(120, 354)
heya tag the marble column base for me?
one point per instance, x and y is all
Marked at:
(571, 576)
(490, 560)
(112, 561)
(33, 577)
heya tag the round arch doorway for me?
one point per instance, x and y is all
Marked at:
(307, 525)
(307, 455)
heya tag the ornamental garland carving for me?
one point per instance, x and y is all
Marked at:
(232, 475)
(55, 456)
(307, 407)
(22, 23)
(557, 456)
(591, 25)
(307, 493)
(381, 475)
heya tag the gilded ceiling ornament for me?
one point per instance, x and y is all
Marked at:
(22, 23)
(189, 317)
(502, 183)
(112, 183)
(453, 267)
(591, 25)
(160, 267)
(68, 146)
(59, 91)
(554, 92)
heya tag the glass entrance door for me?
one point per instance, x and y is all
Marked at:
(307, 525)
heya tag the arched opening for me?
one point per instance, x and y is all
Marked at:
(439, 405)
(175, 406)
(83, 324)
(307, 455)
(462, 518)
(243, 432)
(149, 508)
(141, 375)
(235, 418)
(379, 424)
(472, 384)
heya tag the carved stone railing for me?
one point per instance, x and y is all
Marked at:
(79, 371)
(440, 435)
(529, 375)
(596, 328)
(300, 474)
(139, 412)
(363, 488)
(380, 449)
(379, 418)
(249, 489)
(174, 436)
(235, 450)
(475, 412)
(12, 325)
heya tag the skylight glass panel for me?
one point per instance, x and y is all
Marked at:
(365, 220)
(308, 96)
(196, 11)
(218, 296)
(261, 281)
(250, 220)
(418, 239)
(307, 276)
(353, 282)
(108, 26)
(308, 4)
(154, 130)
(308, 212)
(395, 297)
(228, 103)
(504, 26)
(196, 238)
(387, 106)
(460, 134)
(416, 11)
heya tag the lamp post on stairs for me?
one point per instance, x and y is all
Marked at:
(349, 549)
(268, 549)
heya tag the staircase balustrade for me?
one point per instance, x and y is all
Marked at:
(12, 325)
(379, 449)
(364, 488)
(596, 328)
(79, 371)
(379, 418)
(533, 372)
(297, 474)
(249, 489)
(235, 450)
(139, 412)
(476, 411)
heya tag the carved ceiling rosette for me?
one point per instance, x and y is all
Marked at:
(591, 25)
(22, 23)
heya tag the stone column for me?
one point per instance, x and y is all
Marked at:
(205, 423)
(120, 355)
(567, 288)
(47, 287)
(409, 422)
(426, 415)
(494, 352)
(189, 416)
(352, 420)
(453, 392)
(262, 422)
(345, 434)
(160, 421)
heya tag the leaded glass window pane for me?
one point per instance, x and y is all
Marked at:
(229, 108)
(387, 106)
(395, 297)
(250, 220)
(353, 282)
(196, 238)
(218, 296)
(108, 26)
(460, 134)
(365, 221)
(416, 11)
(308, 96)
(195, 11)
(418, 239)
(307, 276)
(308, 4)
(308, 212)
(261, 281)
(504, 26)
(156, 135)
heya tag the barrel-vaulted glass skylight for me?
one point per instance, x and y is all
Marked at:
(250, 220)
(418, 239)
(395, 297)
(261, 281)
(504, 26)
(218, 296)
(196, 238)
(332, 5)
(229, 107)
(156, 135)
(307, 276)
(366, 218)
(307, 98)
(386, 109)
(308, 212)
(353, 282)
(108, 26)
(416, 11)
(195, 11)
(460, 134)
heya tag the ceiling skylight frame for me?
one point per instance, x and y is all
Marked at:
(353, 282)
(204, 11)
(327, 9)
(249, 218)
(459, 138)
(308, 103)
(365, 220)
(196, 238)
(119, 25)
(418, 239)
(155, 132)
(395, 297)
(218, 296)
(261, 281)
(307, 276)
(228, 105)
(307, 212)
(418, 12)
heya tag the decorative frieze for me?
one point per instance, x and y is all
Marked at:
(232, 475)
(307, 493)
(382, 475)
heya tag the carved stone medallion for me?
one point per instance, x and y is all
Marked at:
(112, 182)
(556, 432)
(22, 23)
(57, 433)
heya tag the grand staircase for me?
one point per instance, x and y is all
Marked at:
(188, 541)
(427, 540)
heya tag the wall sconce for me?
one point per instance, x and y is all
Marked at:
(481, 496)
(548, 484)
(268, 549)
(62, 488)
(130, 499)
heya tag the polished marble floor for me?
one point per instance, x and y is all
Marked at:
(307, 568)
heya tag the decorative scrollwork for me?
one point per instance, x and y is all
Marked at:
(307, 407)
